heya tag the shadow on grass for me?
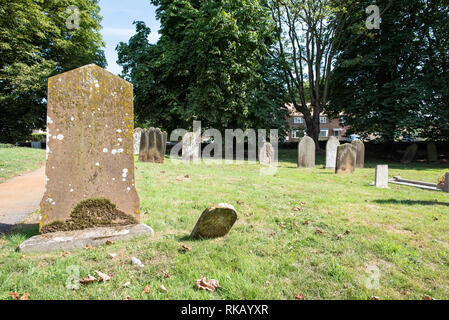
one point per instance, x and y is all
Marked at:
(412, 202)
(27, 230)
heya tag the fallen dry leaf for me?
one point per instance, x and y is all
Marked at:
(427, 297)
(298, 209)
(340, 237)
(185, 248)
(318, 231)
(294, 224)
(281, 225)
(163, 288)
(2, 242)
(88, 280)
(305, 223)
(166, 275)
(112, 255)
(14, 295)
(88, 247)
(374, 298)
(109, 242)
(127, 298)
(25, 296)
(300, 297)
(104, 277)
(65, 253)
(347, 232)
(404, 292)
(210, 285)
(146, 289)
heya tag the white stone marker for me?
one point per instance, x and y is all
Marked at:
(446, 183)
(381, 176)
(331, 152)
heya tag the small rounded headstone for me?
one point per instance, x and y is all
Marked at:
(331, 152)
(360, 153)
(432, 153)
(215, 221)
(266, 154)
(410, 153)
(306, 153)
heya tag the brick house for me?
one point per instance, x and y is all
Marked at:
(297, 126)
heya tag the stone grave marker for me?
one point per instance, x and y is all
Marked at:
(432, 152)
(381, 176)
(359, 147)
(266, 154)
(331, 152)
(153, 145)
(190, 147)
(306, 153)
(446, 183)
(90, 154)
(346, 159)
(215, 221)
(410, 154)
(137, 138)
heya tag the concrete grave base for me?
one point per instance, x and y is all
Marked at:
(70, 240)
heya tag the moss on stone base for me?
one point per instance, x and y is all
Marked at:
(91, 213)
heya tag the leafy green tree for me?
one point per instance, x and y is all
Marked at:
(213, 63)
(394, 81)
(35, 44)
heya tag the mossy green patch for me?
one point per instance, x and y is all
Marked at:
(91, 213)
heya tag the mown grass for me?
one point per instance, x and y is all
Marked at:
(271, 253)
(14, 161)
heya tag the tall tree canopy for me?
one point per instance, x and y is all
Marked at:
(395, 81)
(35, 44)
(213, 63)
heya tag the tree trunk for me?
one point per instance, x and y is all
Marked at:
(313, 129)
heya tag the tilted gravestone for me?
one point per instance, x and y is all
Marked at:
(215, 221)
(153, 145)
(359, 147)
(90, 155)
(381, 176)
(190, 147)
(306, 153)
(432, 152)
(331, 152)
(410, 154)
(266, 154)
(346, 159)
(137, 138)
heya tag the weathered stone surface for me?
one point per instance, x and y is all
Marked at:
(346, 159)
(331, 152)
(266, 154)
(89, 143)
(70, 240)
(306, 153)
(432, 152)
(215, 221)
(137, 139)
(410, 153)
(359, 147)
(381, 176)
(446, 183)
(190, 147)
(153, 145)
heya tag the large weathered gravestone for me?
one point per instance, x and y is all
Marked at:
(137, 138)
(446, 183)
(90, 161)
(190, 147)
(381, 176)
(346, 159)
(153, 145)
(266, 154)
(331, 152)
(410, 153)
(306, 153)
(432, 152)
(359, 147)
(215, 221)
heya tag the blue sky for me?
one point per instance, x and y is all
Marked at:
(118, 18)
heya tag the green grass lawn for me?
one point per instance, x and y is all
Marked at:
(14, 161)
(273, 251)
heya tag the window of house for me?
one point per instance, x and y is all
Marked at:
(324, 133)
(296, 134)
(298, 120)
(337, 133)
(323, 119)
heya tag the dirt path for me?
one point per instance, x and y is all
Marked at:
(19, 197)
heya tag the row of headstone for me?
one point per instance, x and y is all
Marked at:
(153, 144)
(344, 158)
(410, 153)
(306, 153)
